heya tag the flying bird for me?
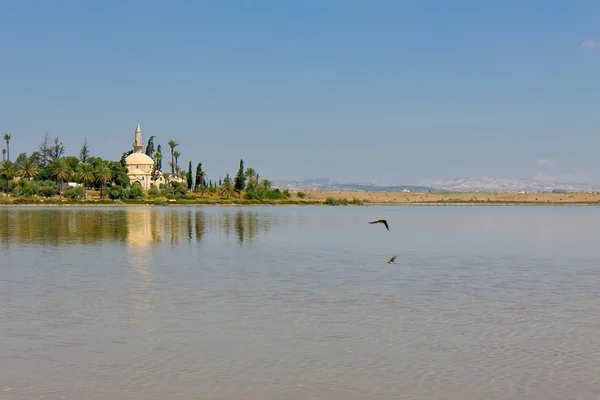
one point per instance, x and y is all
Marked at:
(381, 221)
(391, 260)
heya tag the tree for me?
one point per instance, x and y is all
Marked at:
(29, 170)
(266, 184)
(57, 150)
(190, 177)
(159, 157)
(156, 168)
(63, 173)
(227, 187)
(124, 156)
(8, 172)
(240, 179)
(202, 190)
(103, 176)
(150, 147)
(172, 145)
(20, 160)
(250, 173)
(3, 154)
(176, 154)
(7, 139)
(86, 175)
(45, 151)
(200, 174)
(84, 153)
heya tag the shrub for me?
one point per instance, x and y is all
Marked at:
(301, 195)
(153, 192)
(74, 192)
(116, 192)
(135, 192)
(45, 188)
(330, 201)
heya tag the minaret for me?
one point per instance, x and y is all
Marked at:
(137, 142)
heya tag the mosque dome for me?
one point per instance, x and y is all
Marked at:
(139, 159)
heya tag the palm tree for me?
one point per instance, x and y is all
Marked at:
(202, 189)
(29, 170)
(166, 176)
(86, 175)
(172, 145)
(63, 173)
(157, 159)
(7, 139)
(3, 154)
(176, 154)
(182, 175)
(200, 178)
(103, 176)
(227, 187)
(250, 173)
(266, 184)
(8, 172)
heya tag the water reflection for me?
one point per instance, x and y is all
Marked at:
(136, 227)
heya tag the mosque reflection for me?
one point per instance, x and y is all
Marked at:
(135, 227)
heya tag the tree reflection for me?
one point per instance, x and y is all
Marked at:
(136, 227)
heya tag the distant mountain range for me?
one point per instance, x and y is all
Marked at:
(467, 184)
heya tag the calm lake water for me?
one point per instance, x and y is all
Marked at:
(276, 303)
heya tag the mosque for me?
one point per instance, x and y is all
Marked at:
(139, 165)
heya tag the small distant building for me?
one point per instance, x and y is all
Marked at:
(406, 191)
(139, 165)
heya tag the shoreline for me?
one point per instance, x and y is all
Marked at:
(318, 198)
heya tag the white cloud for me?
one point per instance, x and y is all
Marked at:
(545, 162)
(590, 43)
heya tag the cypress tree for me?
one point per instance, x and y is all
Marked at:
(199, 175)
(159, 162)
(150, 147)
(190, 177)
(239, 182)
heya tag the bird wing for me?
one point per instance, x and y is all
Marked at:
(392, 259)
(386, 225)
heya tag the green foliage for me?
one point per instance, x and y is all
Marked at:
(153, 192)
(135, 192)
(21, 158)
(158, 156)
(117, 192)
(36, 188)
(301, 195)
(84, 153)
(74, 192)
(239, 182)
(227, 188)
(176, 189)
(190, 177)
(330, 201)
(124, 156)
(200, 175)
(150, 147)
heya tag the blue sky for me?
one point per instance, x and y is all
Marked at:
(393, 91)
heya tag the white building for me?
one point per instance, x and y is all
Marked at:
(139, 165)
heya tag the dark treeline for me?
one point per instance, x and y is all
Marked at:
(48, 171)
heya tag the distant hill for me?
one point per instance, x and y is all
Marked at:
(330, 185)
(489, 184)
(465, 184)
